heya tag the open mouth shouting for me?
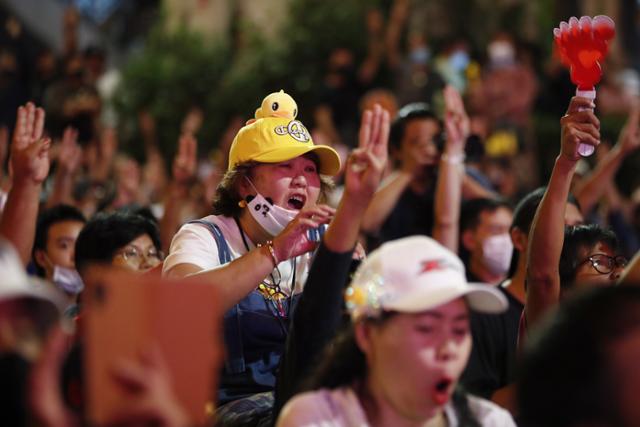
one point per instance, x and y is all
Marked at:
(442, 391)
(296, 202)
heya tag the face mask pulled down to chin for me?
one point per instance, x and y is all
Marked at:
(497, 251)
(67, 280)
(271, 217)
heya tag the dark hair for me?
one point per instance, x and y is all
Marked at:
(577, 240)
(566, 378)
(413, 111)
(344, 364)
(225, 201)
(472, 209)
(523, 215)
(470, 218)
(144, 211)
(46, 219)
(107, 232)
(526, 208)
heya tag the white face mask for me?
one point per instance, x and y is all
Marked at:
(497, 251)
(271, 217)
(501, 53)
(67, 279)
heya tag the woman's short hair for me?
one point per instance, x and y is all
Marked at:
(105, 233)
(225, 201)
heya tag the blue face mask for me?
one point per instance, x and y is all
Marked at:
(420, 56)
(459, 61)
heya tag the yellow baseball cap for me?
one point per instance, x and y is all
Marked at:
(277, 139)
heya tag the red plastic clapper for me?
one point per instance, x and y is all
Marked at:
(583, 44)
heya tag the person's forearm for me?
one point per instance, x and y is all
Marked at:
(18, 222)
(472, 189)
(384, 201)
(170, 221)
(343, 232)
(62, 189)
(545, 242)
(447, 203)
(595, 184)
(394, 33)
(234, 280)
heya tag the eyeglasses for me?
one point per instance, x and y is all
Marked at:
(135, 256)
(605, 264)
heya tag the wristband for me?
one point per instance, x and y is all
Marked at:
(272, 251)
(455, 159)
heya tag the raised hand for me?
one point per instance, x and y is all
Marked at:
(630, 136)
(104, 154)
(579, 125)
(294, 239)
(192, 121)
(70, 153)
(29, 150)
(185, 161)
(456, 121)
(367, 162)
(400, 10)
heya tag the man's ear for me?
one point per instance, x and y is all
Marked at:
(469, 240)
(40, 258)
(519, 239)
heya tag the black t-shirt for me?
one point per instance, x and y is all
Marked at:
(492, 362)
(413, 214)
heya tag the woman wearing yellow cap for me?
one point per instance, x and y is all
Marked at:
(256, 245)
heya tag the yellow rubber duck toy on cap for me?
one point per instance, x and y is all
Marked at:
(277, 104)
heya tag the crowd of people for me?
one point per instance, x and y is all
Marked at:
(402, 273)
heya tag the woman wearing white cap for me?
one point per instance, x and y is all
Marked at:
(399, 363)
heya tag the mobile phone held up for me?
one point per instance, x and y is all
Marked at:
(315, 234)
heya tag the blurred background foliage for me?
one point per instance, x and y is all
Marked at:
(179, 70)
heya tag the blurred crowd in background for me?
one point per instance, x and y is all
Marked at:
(136, 145)
(513, 93)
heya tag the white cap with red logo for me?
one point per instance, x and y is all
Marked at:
(415, 274)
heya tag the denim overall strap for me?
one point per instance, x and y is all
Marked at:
(232, 333)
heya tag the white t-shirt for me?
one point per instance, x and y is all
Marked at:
(341, 408)
(194, 244)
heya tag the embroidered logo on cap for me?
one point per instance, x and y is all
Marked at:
(295, 129)
(432, 265)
